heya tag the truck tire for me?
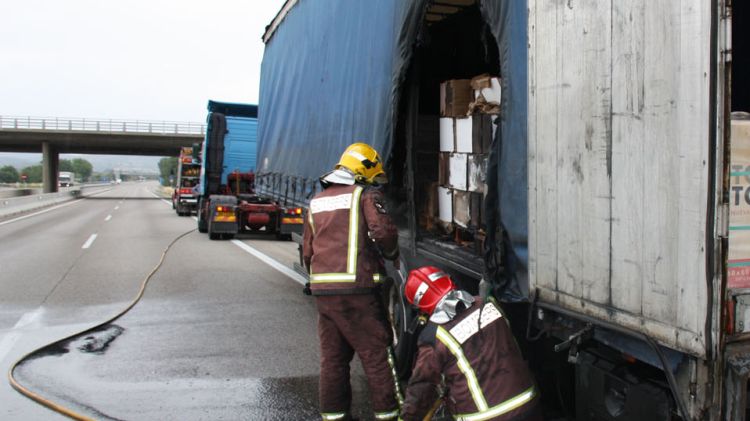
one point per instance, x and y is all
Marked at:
(283, 237)
(400, 316)
(202, 223)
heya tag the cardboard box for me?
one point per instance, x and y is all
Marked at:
(429, 207)
(474, 134)
(444, 169)
(462, 208)
(488, 87)
(487, 94)
(464, 132)
(477, 173)
(455, 97)
(458, 171)
(445, 205)
(477, 209)
(483, 132)
(447, 135)
(467, 209)
(738, 269)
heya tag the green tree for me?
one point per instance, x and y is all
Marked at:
(82, 168)
(167, 169)
(65, 165)
(8, 174)
(33, 173)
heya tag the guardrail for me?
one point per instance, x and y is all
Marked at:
(100, 125)
(10, 206)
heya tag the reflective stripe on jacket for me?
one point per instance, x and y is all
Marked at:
(485, 374)
(343, 227)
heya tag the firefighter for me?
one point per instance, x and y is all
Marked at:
(477, 364)
(347, 234)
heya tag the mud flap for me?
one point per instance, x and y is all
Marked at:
(737, 375)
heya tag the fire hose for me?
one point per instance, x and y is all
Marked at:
(59, 408)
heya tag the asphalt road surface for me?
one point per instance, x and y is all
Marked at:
(220, 333)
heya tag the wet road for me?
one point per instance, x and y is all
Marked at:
(219, 334)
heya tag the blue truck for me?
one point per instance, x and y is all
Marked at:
(227, 202)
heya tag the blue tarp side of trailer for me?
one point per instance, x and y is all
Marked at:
(333, 73)
(509, 158)
(325, 83)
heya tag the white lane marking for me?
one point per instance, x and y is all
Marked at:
(40, 212)
(160, 198)
(9, 340)
(107, 218)
(270, 261)
(51, 209)
(90, 241)
(117, 207)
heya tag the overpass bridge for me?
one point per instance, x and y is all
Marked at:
(54, 135)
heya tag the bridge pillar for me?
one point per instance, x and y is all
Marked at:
(50, 165)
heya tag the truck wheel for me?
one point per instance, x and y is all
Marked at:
(202, 223)
(283, 237)
(400, 316)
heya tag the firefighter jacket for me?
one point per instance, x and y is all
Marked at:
(476, 355)
(346, 230)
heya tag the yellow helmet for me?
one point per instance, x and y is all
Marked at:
(364, 162)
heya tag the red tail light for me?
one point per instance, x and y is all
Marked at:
(294, 211)
(186, 191)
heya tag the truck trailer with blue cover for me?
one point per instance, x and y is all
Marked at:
(227, 202)
(601, 214)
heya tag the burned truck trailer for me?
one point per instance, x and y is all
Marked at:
(599, 211)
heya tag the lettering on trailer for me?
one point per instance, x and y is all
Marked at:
(740, 185)
(738, 269)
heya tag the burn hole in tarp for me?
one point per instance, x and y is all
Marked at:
(449, 189)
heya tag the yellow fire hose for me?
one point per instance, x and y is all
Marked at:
(433, 409)
(58, 407)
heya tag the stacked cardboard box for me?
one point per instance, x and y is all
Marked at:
(468, 112)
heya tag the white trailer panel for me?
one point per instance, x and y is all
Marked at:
(619, 130)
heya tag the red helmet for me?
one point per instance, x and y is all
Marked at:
(426, 286)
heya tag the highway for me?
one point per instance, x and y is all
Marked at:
(219, 333)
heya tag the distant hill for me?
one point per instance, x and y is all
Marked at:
(101, 163)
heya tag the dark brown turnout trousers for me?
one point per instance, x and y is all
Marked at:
(349, 324)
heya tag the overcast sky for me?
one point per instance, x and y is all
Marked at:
(136, 59)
